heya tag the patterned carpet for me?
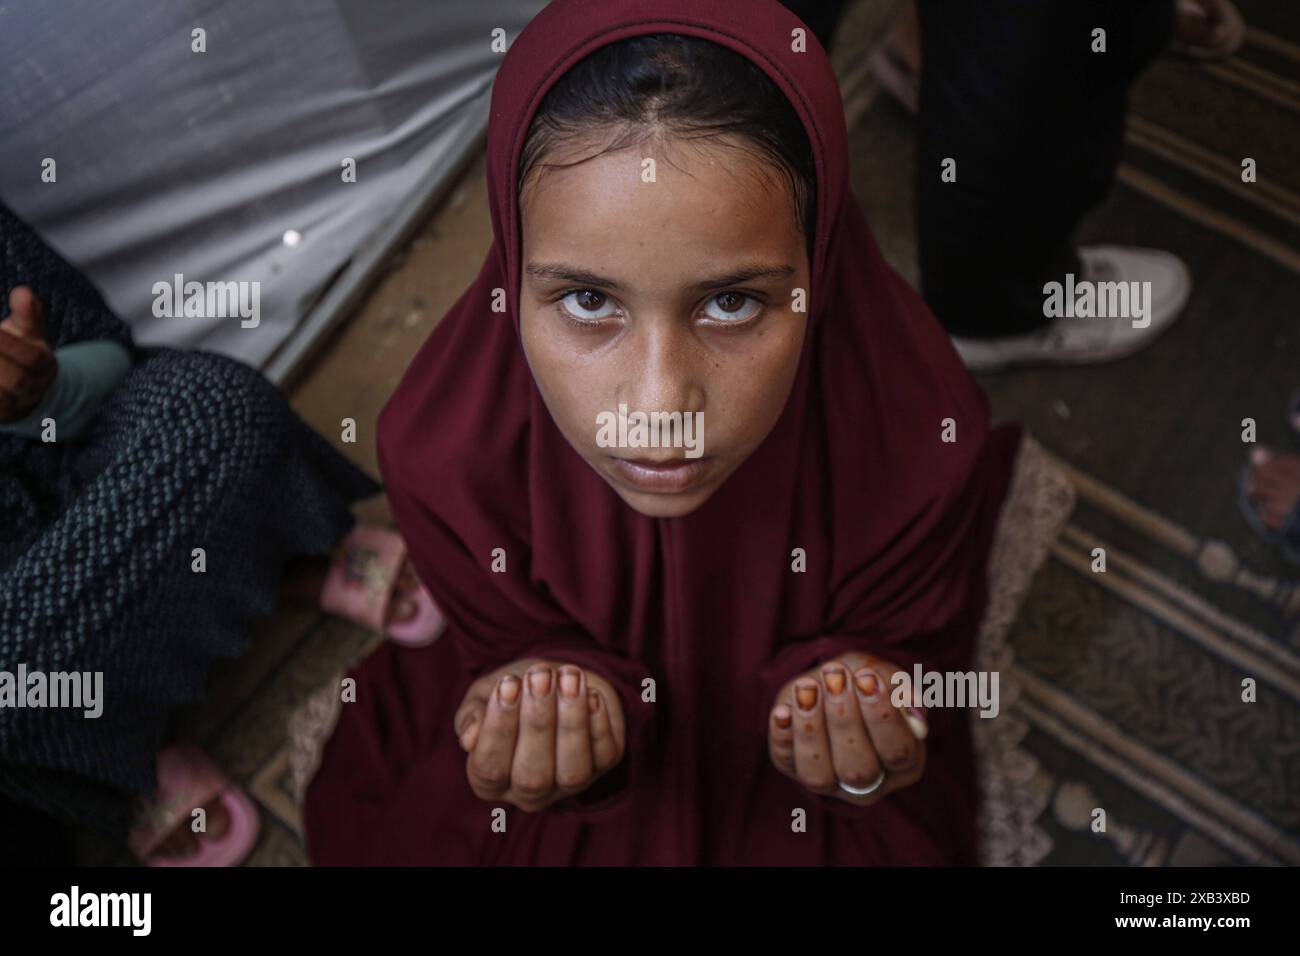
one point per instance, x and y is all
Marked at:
(1133, 679)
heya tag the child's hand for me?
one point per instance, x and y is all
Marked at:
(27, 363)
(836, 723)
(539, 731)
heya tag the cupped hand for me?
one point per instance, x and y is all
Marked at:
(836, 722)
(538, 731)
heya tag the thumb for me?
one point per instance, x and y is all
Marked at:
(467, 724)
(469, 739)
(26, 315)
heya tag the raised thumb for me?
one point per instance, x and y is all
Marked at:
(26, 315)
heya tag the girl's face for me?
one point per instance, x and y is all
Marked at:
(683, 293)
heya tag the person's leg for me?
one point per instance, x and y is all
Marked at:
(194, 488)
(300, 587)
(1137, 31)
(1033, 118)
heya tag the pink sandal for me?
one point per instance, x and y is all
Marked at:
(187, 779)
(361, 582)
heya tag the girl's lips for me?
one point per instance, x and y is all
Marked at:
(672, 476)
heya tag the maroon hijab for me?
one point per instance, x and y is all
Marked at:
(895, 524)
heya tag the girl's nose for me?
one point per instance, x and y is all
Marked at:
(663, 376)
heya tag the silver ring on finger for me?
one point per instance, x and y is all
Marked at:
(863, 791)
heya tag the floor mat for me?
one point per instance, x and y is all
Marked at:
(1131, 680)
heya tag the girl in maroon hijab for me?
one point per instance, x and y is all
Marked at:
(674, 646)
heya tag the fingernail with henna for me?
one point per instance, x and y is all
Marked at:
(539, 682)
(835, 679)
(508, 689)
(593, 699)
(570, 682)
(805, 696)
(782, 716)
(867, 683)
(916, 720)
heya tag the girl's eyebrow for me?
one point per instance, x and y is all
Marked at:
(568, 273)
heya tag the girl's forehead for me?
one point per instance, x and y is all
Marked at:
(659, 189)
(691, 231)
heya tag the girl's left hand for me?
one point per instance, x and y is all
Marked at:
(836, 723)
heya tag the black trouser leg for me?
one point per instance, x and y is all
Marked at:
(1013, 92)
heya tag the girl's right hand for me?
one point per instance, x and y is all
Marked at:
(538, 731)
(27, 363)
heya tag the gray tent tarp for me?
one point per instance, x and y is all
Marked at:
(229, 165)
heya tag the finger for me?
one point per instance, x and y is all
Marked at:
(780, 738)
(34, 358)
(853, 759)
(898, 750)
(475, 703)
(612, 703)
(26, 314)
(483, 688)
(812, 751)
(605, 748)
(17, 383)
(532, 775)
(489, 763)
(573, 761)
(906, 698)
(468, 722)
(32, 354)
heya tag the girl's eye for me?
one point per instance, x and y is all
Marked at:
(732, 307)
(584, 305)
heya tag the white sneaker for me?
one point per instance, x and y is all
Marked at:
(1073, 340)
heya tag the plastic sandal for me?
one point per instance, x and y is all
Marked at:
(1286, 538)
(188, 778)
(361, 581)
